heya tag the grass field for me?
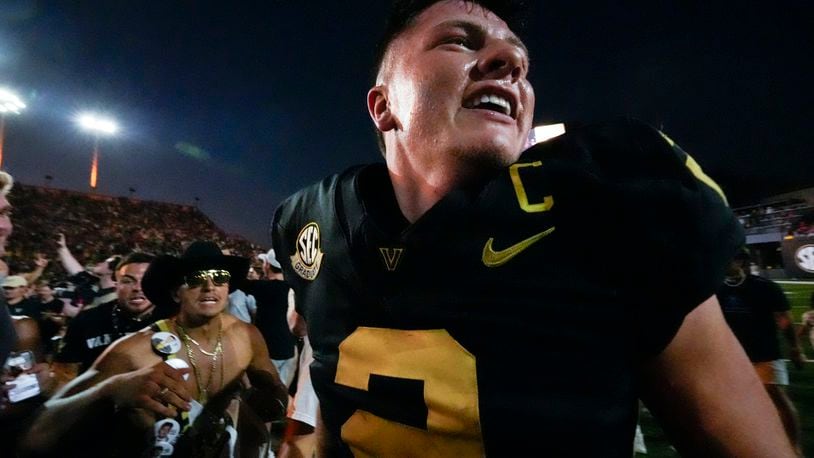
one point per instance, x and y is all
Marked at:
(801, 388)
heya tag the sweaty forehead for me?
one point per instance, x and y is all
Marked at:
(461, 11)
(448, 14)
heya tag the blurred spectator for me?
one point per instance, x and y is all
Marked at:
(807, 329)
(756, 309)
(90, 333)
(26, 382)
(272, 297)
(7, 333)
(94, 286)
(15, 289)
(51, 319)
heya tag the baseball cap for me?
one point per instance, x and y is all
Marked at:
(14, 281)
(270, 258)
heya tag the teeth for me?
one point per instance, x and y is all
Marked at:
(494, 100)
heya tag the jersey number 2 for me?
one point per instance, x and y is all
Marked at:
(450, 392)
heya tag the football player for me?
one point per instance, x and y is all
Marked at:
(464, 299)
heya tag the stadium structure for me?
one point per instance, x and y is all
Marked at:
(780, 234)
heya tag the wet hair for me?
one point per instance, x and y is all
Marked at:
(404, 13)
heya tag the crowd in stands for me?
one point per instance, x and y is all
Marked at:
(790, 217)
(73, 279)
(97, 226)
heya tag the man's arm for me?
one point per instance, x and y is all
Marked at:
(93, 396)
(296, 323)
(64, 372)
(271, 398)
(804, 329)
(786, 326)
(69, 262)
(707, 396)
(40, 263)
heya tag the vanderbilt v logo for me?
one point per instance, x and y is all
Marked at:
(391, 257)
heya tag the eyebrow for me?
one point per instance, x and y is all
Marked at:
(477, 29)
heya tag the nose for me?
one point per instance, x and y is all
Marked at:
(209, 284)
(501, 59)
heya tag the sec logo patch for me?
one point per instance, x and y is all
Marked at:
(805, 258)
(308, 253)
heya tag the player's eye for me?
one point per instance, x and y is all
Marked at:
(459, 41)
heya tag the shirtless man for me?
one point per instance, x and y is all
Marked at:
(133, 387)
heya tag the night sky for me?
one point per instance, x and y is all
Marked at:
(243, 105)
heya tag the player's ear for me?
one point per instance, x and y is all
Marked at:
(378, 107)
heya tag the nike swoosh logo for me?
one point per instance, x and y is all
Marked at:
(492, 258)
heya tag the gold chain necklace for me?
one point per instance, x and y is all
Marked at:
(203, 390)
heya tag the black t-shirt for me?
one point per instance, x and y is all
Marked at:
(272, 305)
(94, 330)
(26, 307)
(54, 306)
(48, 328)
(749, 309)
(437, 326)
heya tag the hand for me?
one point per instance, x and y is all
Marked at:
(40, 261)
(159, 388)
(44, 377)
(61, 244)
(797, 357)
(70, 310)
(4, 389)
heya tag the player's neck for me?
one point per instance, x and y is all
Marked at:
(418, 186)
(414, 197)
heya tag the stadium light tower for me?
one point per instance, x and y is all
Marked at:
(10, 104)
(97, 126)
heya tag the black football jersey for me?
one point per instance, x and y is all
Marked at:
(513, 314)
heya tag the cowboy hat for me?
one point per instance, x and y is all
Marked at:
(166, 273)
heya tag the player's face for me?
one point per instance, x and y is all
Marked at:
(203, 299)
(456, 81)
(5, 223)
(128, 288)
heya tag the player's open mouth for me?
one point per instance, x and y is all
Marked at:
(492, 100)
(209, 300)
